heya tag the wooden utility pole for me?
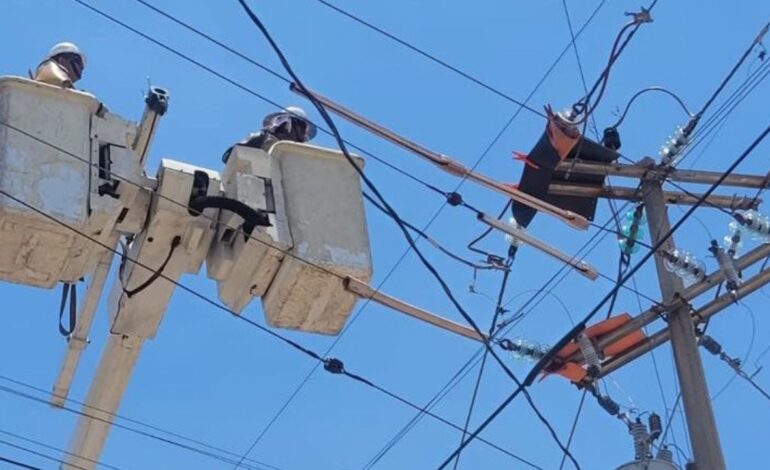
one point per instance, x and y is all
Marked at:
(701, 424)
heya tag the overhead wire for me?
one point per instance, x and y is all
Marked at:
(36, 453)
(327, 362)
(492, 327)
(18, 464)
(431, 57)
(143, 424)
(571, 334)
(208, 69)
(574, 426)
(447, 291)
(641, 92)
(50, 447)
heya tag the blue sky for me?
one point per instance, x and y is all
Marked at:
(212, 378)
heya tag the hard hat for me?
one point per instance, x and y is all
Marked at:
(292, 112)
(66, 48)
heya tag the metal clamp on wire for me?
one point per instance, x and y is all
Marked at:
(334, 365)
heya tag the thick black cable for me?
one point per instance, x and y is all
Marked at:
(189, 290)
(580, 326)
(257, 22)
(432, 58)
(393, 214)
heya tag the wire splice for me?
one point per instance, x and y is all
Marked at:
(334, 365)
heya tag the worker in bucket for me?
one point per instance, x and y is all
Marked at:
(63, 66)
(288, 124)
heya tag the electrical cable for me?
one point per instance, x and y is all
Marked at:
(579, 63)
(39, 454)
(244, 88)
(574, 426)
(433, 242)
(431, 58)
(252, 323)
(258, 23)
(18, 464)
(647, 90)
(50, 447)
(135, 421)
(572, 333)
(492, 327)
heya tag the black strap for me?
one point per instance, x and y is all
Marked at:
(68, 291)
(174, 244)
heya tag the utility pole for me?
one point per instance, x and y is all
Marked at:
(692, 380)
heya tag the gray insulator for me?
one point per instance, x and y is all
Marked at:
(710, 344)
(665, 454)
(638, 431)
(727, 266)
(589, 355)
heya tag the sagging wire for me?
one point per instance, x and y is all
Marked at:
(749, 350)
(437, 245)
(639, 93)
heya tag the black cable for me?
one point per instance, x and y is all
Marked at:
(39, 454)
(431, 57)
(189, 290)
(244, 88)
(580, 326)
(579, 64)
(133, 421)
(18, 464)
(574, 426)
(390, 211)
(492, 327)
(50, 447)
(729, 76)
(433, 242)
(157, 272)
(647, 90)
(395, 216)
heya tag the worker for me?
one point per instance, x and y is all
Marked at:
(288, 124)
(62, 67)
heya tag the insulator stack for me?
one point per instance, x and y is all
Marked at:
(638, 431)
(727, 266)
(665, 454)
(590, 355)
(710, 344)
(513, 241)
(673, 147)
(685, 265)
(756, 224)
(524, 350)
(630, 230)
(608, 404)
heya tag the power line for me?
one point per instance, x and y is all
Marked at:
(135, 421)
(242, 87)
(574, 426)
(50, 447)
(18, 464)
(571, 334)
(434, 217)
(330, 364)
(33, 452)
(432, 58)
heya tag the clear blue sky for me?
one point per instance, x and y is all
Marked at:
(211, 377)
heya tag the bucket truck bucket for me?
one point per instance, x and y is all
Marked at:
(326, 218)
(51, 142)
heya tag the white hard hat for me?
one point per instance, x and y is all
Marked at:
(292, 111)
(66, 48)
